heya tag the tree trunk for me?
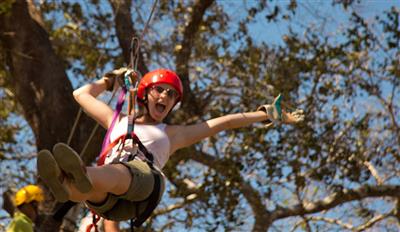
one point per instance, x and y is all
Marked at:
(38, 79)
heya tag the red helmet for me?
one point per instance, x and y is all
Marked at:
(159, 76)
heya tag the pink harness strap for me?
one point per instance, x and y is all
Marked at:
(117, 112)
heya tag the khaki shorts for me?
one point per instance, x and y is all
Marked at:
(131, 204)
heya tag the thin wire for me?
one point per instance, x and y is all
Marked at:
(135, 49)
(135, 61)
(78, 116)
(95, 128)
(71, 133)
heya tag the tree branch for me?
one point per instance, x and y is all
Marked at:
(35, 13)
(125, 31)
(183, 55)
(252, 196)
(333, 221)
(373, 221)
(336, 199)
(374, 172)
(188, 199)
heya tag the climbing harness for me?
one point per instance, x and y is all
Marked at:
(130, 84)
(152, 200)
(130, 87)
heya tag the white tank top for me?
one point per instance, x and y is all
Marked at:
(153, 138)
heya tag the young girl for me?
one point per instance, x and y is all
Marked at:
(120, 189)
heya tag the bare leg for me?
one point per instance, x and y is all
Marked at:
(114, 178)
(111, 226)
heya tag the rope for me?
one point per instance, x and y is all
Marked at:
(95, 128)
(71, 133)
(134, 56)
(134, 60)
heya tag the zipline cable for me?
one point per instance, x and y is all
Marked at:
(134, 60)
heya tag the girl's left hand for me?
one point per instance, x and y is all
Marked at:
(277, 114)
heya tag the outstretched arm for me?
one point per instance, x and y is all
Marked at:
(183, 136)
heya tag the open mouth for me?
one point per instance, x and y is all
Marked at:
(160, 107)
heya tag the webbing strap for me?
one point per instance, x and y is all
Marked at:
(152, 200)
(131, 125)
(95, 220)
(122, 138)
(108, 148)
(118, 109)
(131, 106)
(143, 149)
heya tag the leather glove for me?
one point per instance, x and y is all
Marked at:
(276, 115)
(117, 74)
(273, 111)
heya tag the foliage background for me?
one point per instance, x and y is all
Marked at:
(339, 61)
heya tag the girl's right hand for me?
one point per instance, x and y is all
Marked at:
(110, 77)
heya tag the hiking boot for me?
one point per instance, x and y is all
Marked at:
(71, 164)
(51, 175)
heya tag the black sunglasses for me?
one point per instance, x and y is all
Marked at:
(171, 93)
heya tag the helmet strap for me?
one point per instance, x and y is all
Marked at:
(145, 103)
